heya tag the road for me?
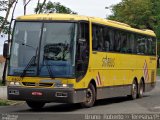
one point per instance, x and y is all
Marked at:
(149, 104)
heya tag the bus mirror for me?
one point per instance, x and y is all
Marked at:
(5, 49)
(82, 40)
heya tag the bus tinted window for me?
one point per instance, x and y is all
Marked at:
(107, 42)
(117, 41)
(153, 49)
(131, 43)
(123, 43)
(97, 35)
(141, 45)
(110, 39)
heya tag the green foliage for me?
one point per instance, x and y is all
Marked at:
(142, 14)
(3, 103)
(158, 72)
(55, 7)
(1, 83)
(3, 7)
(6, 26)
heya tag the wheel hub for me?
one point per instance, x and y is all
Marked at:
(89, 95)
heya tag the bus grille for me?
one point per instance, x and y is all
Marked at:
(35, 84)
(46, 84)
(28, 83)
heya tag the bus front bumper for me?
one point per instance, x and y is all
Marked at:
(62, 95)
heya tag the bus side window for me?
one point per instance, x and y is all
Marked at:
(123, 43)
(131, 43)
(106, 39)
(118, 39)
(153, 46)
(150, 50)
(97, 36)
(94, 37)
(141, 45)
(111, 39)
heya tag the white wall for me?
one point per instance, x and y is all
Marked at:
(1, 69)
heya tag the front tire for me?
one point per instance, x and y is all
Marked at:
(35, 105)
(90, 97)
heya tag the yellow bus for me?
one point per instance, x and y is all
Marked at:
(77, 59)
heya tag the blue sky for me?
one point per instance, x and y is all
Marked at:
(94, 8)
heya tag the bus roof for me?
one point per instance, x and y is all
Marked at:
(72, 17)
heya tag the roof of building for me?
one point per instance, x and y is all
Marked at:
(72, 17)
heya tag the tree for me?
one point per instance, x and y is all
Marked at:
(25, 3)
(5, 29)
(5, 6)
(40, 6)
(142, 14)
(51, 7)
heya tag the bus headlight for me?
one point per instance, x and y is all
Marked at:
(63, 85)
(14, 84)
(17, 84)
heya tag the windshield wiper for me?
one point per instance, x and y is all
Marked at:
(32, 62)
(28, 66)
(49, 69)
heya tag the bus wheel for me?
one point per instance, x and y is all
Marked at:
(35, 105)
(134, 90)
(141, 90)
(90, 97)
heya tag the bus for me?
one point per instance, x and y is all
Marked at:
(78, 59)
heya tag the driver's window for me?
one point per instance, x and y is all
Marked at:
(82, 58)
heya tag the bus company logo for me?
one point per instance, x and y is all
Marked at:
(152, 58)
(108, 62)
(145, 71)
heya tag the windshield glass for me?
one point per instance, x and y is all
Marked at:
(25, 44)
(57, 57)
(50, 53)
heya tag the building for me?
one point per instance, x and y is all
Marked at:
(2, 62)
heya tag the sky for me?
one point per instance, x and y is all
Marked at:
(95, 8)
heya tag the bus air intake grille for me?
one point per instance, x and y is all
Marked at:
(45, 84)
(28, 83)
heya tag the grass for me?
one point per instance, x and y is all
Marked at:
(4, 102)
(1, 83)
(158, 71)
(9, 102)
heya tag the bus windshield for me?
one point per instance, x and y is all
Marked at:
(43, 49)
